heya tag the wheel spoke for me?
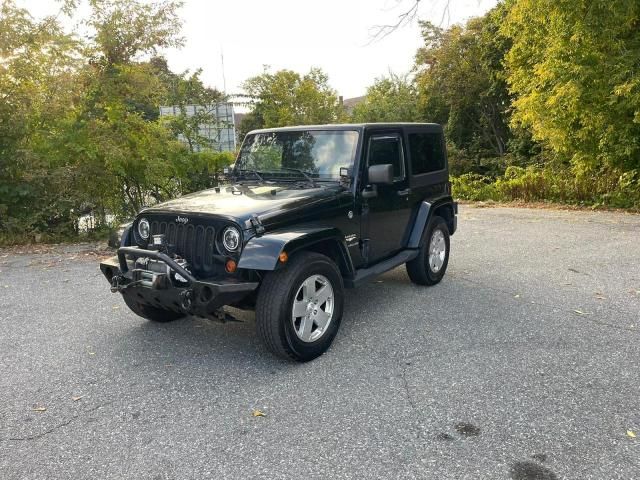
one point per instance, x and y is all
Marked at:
(305, 328)
(299, 308)
(323, 294)
(322, 319)
(307, 289)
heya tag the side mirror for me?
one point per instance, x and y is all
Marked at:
(381, 174)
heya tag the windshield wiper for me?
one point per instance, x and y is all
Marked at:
(303, 173)
(243, 172)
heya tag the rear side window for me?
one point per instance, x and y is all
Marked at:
(426, 152)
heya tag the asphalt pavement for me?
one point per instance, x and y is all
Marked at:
(522, 364)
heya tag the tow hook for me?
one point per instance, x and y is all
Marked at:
(116, 280)
(187, 299)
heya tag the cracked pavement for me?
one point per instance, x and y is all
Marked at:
(522, 364)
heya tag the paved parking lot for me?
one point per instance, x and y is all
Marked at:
(522, 364)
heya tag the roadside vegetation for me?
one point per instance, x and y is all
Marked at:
(540, 100)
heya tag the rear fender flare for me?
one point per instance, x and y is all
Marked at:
(425, 212)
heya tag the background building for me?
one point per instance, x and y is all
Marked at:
(220, 133)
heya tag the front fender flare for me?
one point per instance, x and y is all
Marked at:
(262, 253)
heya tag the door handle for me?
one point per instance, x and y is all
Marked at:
(404, 193)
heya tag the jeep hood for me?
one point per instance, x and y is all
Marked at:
(270, 202)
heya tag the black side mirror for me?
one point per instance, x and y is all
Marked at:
(381, 174)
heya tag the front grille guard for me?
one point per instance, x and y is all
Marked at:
(136, 252)
(199, 297)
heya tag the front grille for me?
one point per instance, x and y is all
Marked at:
(195, 243)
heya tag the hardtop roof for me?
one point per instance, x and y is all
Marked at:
(432, 127)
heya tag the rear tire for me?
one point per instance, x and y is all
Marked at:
(430, 265)
(299, 307)
(151, 313)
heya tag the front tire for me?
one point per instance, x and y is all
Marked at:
(299, 307)
(430, 265)
(151, 313)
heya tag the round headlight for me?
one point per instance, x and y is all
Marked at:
(231, 238)
(143, 228)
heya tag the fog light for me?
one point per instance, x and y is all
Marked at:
(231, 266)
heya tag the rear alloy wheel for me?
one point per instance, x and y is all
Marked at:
(430, 265)
(299, 307)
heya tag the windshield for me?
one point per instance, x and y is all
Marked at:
(318, 153)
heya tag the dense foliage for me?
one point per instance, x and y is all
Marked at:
(540, 100)
(288, 98)
(79, 126)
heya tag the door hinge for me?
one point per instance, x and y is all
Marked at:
(256, 224)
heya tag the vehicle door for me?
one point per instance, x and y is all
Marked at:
(387, 213)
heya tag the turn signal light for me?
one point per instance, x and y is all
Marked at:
(283, 257)
(231, 266)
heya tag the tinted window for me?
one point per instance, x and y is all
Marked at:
(426, 152)
(384, 150)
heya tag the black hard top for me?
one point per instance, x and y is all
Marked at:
(431, 127)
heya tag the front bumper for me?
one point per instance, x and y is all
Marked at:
(193, 296)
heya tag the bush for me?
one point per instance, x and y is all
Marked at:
(605, 187)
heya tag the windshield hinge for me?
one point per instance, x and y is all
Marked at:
(256, 224)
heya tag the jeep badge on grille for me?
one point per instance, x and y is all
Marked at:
(183, 220)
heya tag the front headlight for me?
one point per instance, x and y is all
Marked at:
(143, 228)
(231, 239)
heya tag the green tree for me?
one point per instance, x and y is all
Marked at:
(389, 99)
(575, 71)
(288, 98)
(460, 80)
(38, 65)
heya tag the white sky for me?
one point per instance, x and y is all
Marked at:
(334, 35)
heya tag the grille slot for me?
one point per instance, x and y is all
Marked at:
(195, 243)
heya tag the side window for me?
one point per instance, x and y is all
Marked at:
(426, 152)
(384, 149)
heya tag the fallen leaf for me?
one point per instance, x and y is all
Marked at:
(40, 409)
(580, 312)
(631, 434)
(258, 413)
(75, 399)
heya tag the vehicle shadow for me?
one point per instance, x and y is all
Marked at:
(196, 341)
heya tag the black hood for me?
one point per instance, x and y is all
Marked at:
(270, 202)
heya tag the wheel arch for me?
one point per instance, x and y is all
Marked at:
(444, 207)
(263, 253)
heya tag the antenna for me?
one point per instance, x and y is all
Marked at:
(224, 79)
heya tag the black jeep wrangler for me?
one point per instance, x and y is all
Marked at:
(308, 211)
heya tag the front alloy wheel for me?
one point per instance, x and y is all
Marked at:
(299, 307)
(312, 308)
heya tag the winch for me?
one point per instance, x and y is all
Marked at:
(156, 273)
